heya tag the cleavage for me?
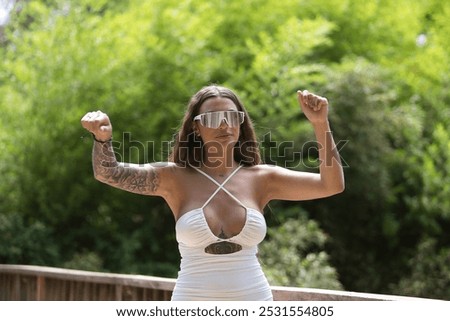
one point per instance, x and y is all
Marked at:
(224, 217)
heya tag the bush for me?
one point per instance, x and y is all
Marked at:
(25, 243)
(294, 256)
(430, 273)
(88, 261)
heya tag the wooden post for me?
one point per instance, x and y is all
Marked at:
(40, 288)
(118, 292)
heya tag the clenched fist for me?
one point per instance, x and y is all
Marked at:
(313, 106)
(98, 124)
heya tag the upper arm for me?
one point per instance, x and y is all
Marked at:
(148, 179)
(291, 185)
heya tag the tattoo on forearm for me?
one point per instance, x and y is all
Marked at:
(126, 177)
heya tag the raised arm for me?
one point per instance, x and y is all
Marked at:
(294, 185)
(141, 179)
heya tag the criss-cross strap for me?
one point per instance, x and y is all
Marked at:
(220, 187)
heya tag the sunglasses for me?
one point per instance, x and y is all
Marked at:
(213, 119)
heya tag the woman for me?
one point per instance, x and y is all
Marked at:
(217, 190)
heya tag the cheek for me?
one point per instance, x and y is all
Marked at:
(205, 130)
(206, 133)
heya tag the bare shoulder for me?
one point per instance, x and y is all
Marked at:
(257, 174)
(264, 172)
(172, 170)
(168, 173)
(288, 184)
(259, 179)
(267, 171)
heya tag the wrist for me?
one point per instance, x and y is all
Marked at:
(321, 123)
(100, 140)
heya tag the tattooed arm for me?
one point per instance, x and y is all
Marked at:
(140, 179)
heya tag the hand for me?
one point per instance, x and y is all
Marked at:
(314, 107)
(98, 124)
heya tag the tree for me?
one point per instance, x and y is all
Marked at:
(294, 255)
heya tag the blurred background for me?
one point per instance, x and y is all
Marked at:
(384, 65)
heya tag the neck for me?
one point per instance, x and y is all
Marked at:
(218, 163)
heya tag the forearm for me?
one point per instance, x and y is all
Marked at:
(331, 171)
(104, 160)
(107, 169)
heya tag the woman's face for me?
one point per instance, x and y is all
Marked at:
(224, 135)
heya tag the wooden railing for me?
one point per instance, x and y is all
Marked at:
(23, 282)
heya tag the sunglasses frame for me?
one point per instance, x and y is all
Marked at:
(222, 118)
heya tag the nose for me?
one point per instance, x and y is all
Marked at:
(224, 123)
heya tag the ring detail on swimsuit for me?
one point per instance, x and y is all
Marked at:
(223, 247)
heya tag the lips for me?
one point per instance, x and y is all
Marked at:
(223, 135)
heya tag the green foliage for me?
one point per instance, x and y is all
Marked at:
(294, 255)
(140, 61)
(26, 243)
(430, 276)
(435, 199)
(88, 261)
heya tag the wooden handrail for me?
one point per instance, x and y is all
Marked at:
(27, 282)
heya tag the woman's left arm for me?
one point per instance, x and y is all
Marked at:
(294, 185)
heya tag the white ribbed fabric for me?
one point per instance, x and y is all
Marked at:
(235, 276)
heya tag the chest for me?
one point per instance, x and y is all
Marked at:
(224, 208)
(193, 230)
(243, 190)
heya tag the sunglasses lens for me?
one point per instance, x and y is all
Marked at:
(214, 119)
(234, 118)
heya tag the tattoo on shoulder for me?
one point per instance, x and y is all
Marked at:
(136, 179)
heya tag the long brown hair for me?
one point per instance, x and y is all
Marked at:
(188, 148)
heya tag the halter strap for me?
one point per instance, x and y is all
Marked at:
(220, 186)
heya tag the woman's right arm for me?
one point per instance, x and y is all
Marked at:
(148, 179)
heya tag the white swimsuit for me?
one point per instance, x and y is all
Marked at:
(235, 276)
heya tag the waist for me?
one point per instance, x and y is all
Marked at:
(199, 253)
(222, 277)
(198, 259)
